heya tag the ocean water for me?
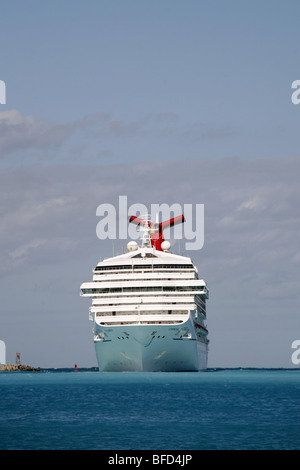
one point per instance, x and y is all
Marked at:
(87, 410)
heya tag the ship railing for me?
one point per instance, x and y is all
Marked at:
(143, 322)
(131, 302)
(141, 318)
(142, 312)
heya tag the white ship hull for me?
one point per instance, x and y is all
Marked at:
(155, 347)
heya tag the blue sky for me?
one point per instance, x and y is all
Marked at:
(164, 101)
(221, 68)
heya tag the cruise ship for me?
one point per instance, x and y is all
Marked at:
(148, 307)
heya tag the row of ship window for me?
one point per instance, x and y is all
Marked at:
(143, 266)
(99, 290)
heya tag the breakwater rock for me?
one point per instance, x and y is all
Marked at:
(16, 367)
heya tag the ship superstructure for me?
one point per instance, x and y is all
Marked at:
(149, 307)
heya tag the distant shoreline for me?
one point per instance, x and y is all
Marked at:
(17, 367)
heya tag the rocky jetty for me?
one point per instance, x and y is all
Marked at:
(16, 367)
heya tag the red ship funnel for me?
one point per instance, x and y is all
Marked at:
(157, 236)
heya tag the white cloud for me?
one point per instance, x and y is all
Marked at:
(18, 132)
(254, 203)
(101, 135)
(22, 251)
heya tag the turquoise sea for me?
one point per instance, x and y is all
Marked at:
(89, 410)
